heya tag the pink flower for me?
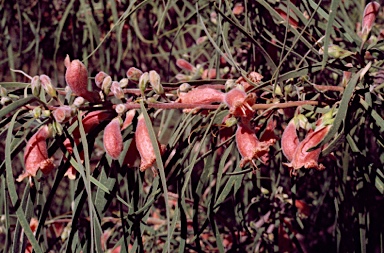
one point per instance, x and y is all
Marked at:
(201, 96)
(249, 146)
(239, 103)
(76, 77)
(99, 78)
(144, 145)
(289, 140)
(303, 158)
(36, 154)
(112, 139)
(370, 12)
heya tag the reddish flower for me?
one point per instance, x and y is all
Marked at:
(289, 140)
(370, 12)
(144, 145)
(303, 158)
(76, 77)
(36, 154)
(249, 146)
(99, 78)
(201, 96)
(112, 139)
(239, 103)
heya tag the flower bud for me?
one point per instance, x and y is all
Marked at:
(144, 145)
(201, 96)
(120, 109)
(106, 85)
(154, 80)
(116, 90)
(185, 65)
(36, 112)
(36, 154)
(79, 101)
(5, 101)
(183, 78)
(47, 85)
(143, 82)
(112, 139)
(229, 84)
(185, 87)
(239, 103)
(76, 77)
(99, 78)
(123, 82)
(35, 85)
(238, 9)
(63, 113)
(134, 74)
(3, 91)
(370, 12)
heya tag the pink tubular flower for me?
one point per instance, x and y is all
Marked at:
(36, 154)
(303, 158)
(112, 139)
(239, 103)
(92, 120)
(201, 96)
(144, 145)
(183, 64)
(62, 114)
(76, 77)
(289, 140)
(370, 12)
(249, 146)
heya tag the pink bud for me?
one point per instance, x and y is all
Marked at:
(289, 140)
(76, 77)
(36, 154)
(116, 90)
(47, 85)
(238, 9)
(134, 74)
(99, 78)
(370, 12)
(239, 103)
(249, 146)
(62, 114)
(112, 139)
(183, 64)
(201, 96)
(144, 145)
